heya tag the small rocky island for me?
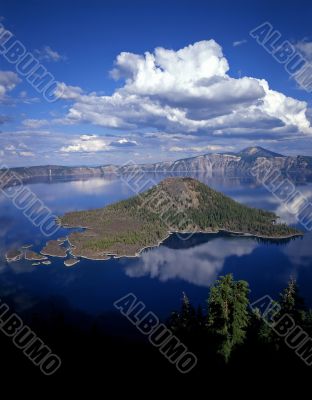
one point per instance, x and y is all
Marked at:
(70, 262)
(13, 255)
(33, 256)
(175, 205)
(24, 253)
(54, 248)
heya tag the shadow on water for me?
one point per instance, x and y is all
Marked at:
(185, 241)
(92, 352)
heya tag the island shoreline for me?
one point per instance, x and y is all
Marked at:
(158, 244)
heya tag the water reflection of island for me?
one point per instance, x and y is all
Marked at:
(198, 260)
(198, 264)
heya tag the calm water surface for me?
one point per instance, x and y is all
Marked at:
(161, 274)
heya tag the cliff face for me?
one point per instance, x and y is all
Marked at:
(57, 170)
(298, 168)
(14, 176)
(233, 165)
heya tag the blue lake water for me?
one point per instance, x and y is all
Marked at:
(160, 275)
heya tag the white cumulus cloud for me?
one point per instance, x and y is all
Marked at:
(187, 91)
(86, 143)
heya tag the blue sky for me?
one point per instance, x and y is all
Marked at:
(149, 80)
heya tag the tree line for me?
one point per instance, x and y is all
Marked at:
(228, 331)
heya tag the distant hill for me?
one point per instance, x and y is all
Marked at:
(50, 172)
(175, 204)
(257, 151)
(298, 168)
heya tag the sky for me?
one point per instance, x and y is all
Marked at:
(145, 81)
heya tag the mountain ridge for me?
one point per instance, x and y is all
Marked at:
(258, 151)
(239, 164)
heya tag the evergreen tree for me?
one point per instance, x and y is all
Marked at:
(261, 329)
(292, 303)
(228, 313)
(185, 321)
(308, 322)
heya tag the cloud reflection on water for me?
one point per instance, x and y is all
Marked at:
(198, 265)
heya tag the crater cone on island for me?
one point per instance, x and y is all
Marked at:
(174, 205)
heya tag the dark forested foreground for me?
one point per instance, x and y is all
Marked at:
(229, 339)
(232, 330)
